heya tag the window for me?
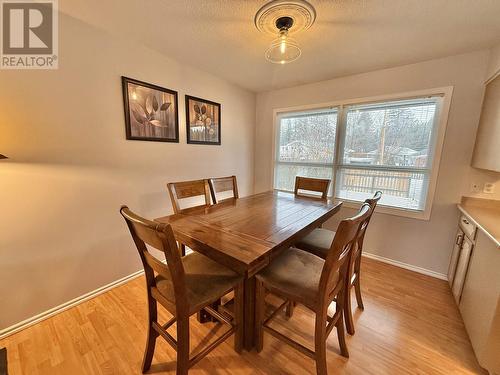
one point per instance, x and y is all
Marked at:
(306, 147)
(387, 146)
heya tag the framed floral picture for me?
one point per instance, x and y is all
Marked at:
(151, 112)
(202, 121)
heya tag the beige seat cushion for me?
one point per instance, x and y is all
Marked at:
(296, 273)
(206, 280)
(317, 242)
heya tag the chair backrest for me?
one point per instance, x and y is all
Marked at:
(338, 258)
(318, 185)
(361, 235)
(221, 185)
(188, 189)
(374, 200)
(161, 237)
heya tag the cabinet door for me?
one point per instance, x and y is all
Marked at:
(462, 266)
(454, 256)
(480, 303)
(468, 227)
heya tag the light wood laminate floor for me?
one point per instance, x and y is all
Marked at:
(410, 325)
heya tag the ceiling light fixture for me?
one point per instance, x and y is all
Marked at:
(285, 17)
(283, 49)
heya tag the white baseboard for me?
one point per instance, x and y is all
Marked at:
(407, 266)
(56, 310)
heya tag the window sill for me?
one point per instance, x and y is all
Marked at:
(381, 209)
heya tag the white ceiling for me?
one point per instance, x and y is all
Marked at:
(349, 36)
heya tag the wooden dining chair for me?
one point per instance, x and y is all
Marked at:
(222, 185)
(314, 185)
(183, 286)
(299, 276)
(318, 242)
(188, 189)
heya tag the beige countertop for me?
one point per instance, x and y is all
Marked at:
(485, 213)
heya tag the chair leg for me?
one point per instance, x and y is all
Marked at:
(341, 336)
(320, 343)
(238, 317)
(260, 306)
(152, 335)
(183, 250)
(349, 322)
(202, 316)
(340, 332)
(290, 307)
(182, 346)
(357, 289)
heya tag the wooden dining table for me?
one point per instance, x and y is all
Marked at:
(245, 234)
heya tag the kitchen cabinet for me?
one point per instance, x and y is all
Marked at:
(455, 254)
(474, 277)
(462, 250)
(461, 269)
(479, 303)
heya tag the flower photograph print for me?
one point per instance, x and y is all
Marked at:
(151, 112)
(202, 121)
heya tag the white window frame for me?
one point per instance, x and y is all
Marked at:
(441, 116)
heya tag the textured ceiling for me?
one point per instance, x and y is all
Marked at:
(349, 36)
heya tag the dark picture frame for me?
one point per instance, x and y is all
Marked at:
(151, 111)
(203, 121)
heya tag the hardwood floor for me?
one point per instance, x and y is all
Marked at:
(410, 325)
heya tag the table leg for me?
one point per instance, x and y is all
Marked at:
(249, 315)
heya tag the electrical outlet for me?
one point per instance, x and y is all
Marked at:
(475, 188)
(489, 188)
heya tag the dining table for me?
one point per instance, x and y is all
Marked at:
(245, 234)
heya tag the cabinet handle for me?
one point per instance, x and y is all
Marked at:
(459, 239)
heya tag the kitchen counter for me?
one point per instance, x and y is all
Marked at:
(485, 213)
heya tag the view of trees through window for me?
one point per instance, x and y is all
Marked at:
(385, 146)
(392, 136)
(306, 147)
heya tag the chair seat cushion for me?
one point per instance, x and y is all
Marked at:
(296, 273)
(206, 280)
(317, 242)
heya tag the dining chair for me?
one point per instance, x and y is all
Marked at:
(183, 286)
(314, 185)
(304, 186)
(222, 185)
(299, 276)
(318, 242)
(188, 189)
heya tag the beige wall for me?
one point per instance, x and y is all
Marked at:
(494, 62)
(425, 244)
(71, 167)
(480, 177)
